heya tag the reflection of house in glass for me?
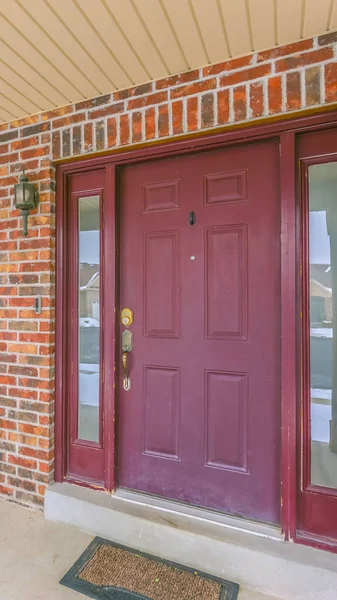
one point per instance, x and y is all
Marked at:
(320, 295)
(321, 311)
(89, 313)
(321, 337)
(89, 291)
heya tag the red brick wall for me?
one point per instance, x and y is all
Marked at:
(288, 78)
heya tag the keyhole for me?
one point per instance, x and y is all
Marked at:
(192, 217)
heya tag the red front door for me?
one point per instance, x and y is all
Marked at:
(200, 269)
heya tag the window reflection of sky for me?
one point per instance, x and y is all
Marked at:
(89, 247)
(319, 250)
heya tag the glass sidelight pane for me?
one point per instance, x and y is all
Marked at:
(323, 322)
(89, 318)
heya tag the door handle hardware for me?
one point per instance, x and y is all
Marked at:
(126, 378)
(126, 347)
(127, 342)
(125, 363)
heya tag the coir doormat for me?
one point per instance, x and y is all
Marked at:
(110, 571)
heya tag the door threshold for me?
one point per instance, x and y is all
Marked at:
(202, 521)
(243, 551)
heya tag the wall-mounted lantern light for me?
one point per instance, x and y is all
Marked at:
(26, 199)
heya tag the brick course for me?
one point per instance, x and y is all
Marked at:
(283, 79)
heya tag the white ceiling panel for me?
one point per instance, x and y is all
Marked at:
(289, 29)
(316, 16)
(213, 29)
(55, 52)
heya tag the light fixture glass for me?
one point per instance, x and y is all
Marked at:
(26, 199)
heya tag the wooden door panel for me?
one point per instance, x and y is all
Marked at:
(162, 421)
(226, 420)
(161, 284)
(226, 282)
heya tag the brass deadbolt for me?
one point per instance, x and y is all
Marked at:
(127, 317)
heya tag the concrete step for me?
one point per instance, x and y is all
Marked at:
(252, 554)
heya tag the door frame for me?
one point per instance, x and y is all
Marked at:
(314, 499)
(285, 130)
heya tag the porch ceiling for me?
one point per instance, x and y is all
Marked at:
(55, 52)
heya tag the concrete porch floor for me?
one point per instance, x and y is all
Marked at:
(35, 554)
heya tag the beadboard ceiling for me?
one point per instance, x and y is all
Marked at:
(55, 52)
